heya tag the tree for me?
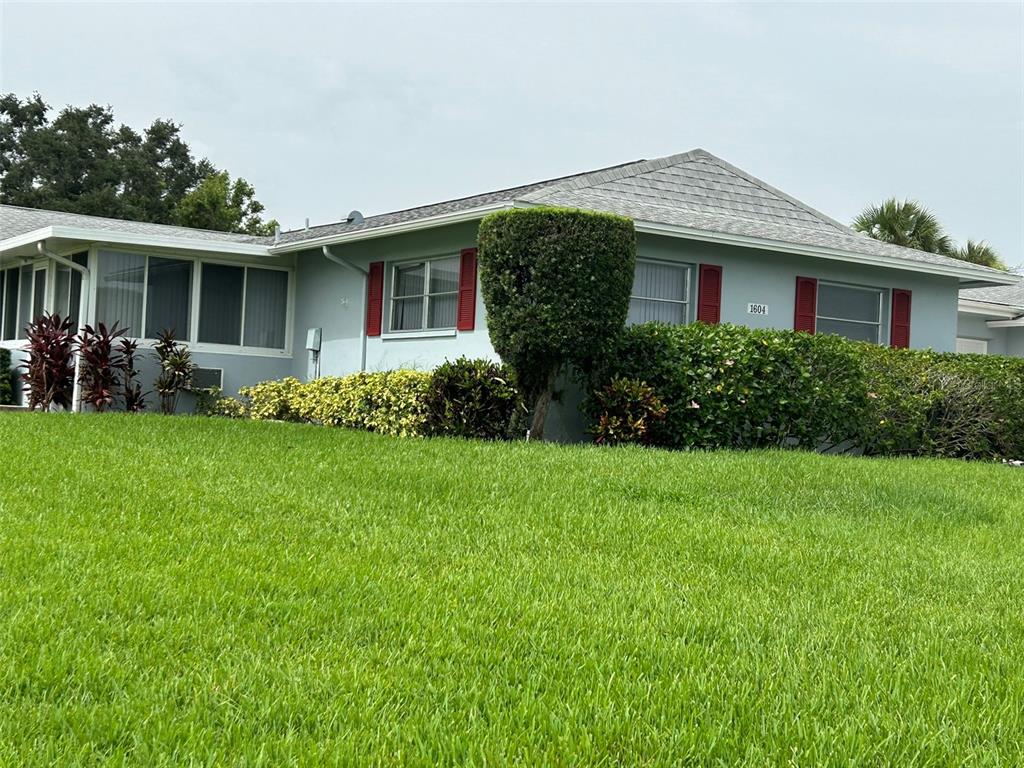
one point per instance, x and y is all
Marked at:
(980, 253)
(82, 162)
(913, 226)
(219, 204)
(908, 224)
(556, 284)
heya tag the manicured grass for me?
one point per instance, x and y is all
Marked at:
(186, 591)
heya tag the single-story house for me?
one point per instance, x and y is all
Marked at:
(400, 289)
(991, 320)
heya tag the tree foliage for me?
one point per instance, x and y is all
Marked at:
(556, 283)
(911, 225)
(81, 161)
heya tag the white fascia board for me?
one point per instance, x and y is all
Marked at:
(107, 236)
(974, 307)
(965, 275)
(29, 238)
(1015, 323)
(390, 229)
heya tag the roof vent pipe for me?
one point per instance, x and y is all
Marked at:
(277, 234)
(354, 217)
(307, 222)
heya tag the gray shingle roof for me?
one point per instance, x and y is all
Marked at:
(699, 191)
(435, 209)
(695, 190)
(16, 221)
(1007, 295)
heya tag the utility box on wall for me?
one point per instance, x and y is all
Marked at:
(313, 339)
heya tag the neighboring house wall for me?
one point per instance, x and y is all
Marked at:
(1015, 342)
(971, 326)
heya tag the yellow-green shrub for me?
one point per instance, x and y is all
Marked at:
(273, 400)
(389, 402)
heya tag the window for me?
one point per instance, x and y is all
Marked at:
(238, 306)
(24, 301)
(424, 295)
(661, 293)
(850, 311)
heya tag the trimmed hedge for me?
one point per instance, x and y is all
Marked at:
(734, 387)
(6, 378)
(478, 401)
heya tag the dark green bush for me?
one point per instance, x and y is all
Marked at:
(556, 285)
(734, 387)
(6, 378)
(471, 398)
(930, 404)
(625, 410)
(728, 386)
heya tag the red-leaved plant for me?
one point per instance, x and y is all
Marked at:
(100, 363)
(131, 391)
(50, 370)
(176, 370)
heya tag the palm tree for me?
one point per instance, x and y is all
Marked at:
(980, 253)
(909, 224)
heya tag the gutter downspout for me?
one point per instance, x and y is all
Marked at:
(366, 279)
(83, 312)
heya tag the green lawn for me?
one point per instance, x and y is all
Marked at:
(183, 591)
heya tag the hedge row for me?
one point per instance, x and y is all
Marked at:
(464, 398)
(6, 378)
(729, 386)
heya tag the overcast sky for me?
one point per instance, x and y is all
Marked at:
(330, 107)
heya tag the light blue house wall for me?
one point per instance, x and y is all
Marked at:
(332, 297)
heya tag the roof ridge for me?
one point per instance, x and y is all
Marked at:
(775, 191)
(616, 172)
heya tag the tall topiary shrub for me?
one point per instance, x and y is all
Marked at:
(556, 285)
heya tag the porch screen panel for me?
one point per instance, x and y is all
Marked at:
(169, 297)
(10, 302)
(220, 304)
(24, 301)
(266, 306)
(121, 280)
(62, 291)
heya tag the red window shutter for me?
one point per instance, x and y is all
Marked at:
(467, 291)
(899, 333)
(806, 312)
(709, 294)
(375, 299)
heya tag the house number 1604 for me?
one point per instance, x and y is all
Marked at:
(757, 309)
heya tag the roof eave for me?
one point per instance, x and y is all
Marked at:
(106, 236)
(988, 309)
(413, 225)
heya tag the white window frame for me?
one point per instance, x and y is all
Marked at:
(4, 269)
(687, 303)
(194, 310)
(879, 326)
(423, 330)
